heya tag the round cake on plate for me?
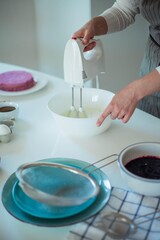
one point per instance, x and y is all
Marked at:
(16, 81)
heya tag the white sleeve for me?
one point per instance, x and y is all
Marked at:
(121, 14)
(158, 69)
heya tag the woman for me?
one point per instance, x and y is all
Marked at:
(145, 91)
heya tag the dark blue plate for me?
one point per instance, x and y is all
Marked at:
(95, 207)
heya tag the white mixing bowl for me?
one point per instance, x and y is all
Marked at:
(94, 102)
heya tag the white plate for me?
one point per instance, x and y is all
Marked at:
(40, 83)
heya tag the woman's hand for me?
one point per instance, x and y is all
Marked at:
(122, 105)
(125, 101)
(86, 33)
(95, 27)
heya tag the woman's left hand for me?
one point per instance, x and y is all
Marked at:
(122, 105)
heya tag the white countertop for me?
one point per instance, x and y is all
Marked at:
(36, 137)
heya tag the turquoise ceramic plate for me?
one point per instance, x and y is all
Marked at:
(39, 209)
(95, 207)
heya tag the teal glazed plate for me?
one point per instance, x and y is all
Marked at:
(17, 205)
(41, 210)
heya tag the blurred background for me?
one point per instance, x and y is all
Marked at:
(34, 34)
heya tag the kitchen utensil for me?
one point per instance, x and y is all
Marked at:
(139, 184)
(6, 129)
(80, 66)
(72, 111)
(122, 226)
(42, 210)
(81, 113)
(99, 203)
(61, 185)
(8, 110)
(94, 102)
(5, 133)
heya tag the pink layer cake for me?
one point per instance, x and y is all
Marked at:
(16, 81)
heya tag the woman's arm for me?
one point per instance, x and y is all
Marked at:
(125, 101)
(116, 18)
(121, 14)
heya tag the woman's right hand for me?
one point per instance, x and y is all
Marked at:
(95, 27)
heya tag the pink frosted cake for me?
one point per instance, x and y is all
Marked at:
(16, 81)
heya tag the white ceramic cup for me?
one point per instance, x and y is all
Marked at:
(8, 110)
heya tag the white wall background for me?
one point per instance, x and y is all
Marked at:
(18, 34)
(34, 34)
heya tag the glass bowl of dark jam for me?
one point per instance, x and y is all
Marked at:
(140, 167)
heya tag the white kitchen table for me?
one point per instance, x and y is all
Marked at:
(36, 137)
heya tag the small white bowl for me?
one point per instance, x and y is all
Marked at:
(94, 102)
(142, 185)
(8, 110)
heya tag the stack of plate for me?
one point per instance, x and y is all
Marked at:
(28, 210)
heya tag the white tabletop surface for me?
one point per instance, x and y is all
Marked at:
(36, 137)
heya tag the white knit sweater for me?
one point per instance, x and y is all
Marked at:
(123, 12)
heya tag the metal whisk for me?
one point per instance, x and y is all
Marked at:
(73, 112)
(81, 112)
